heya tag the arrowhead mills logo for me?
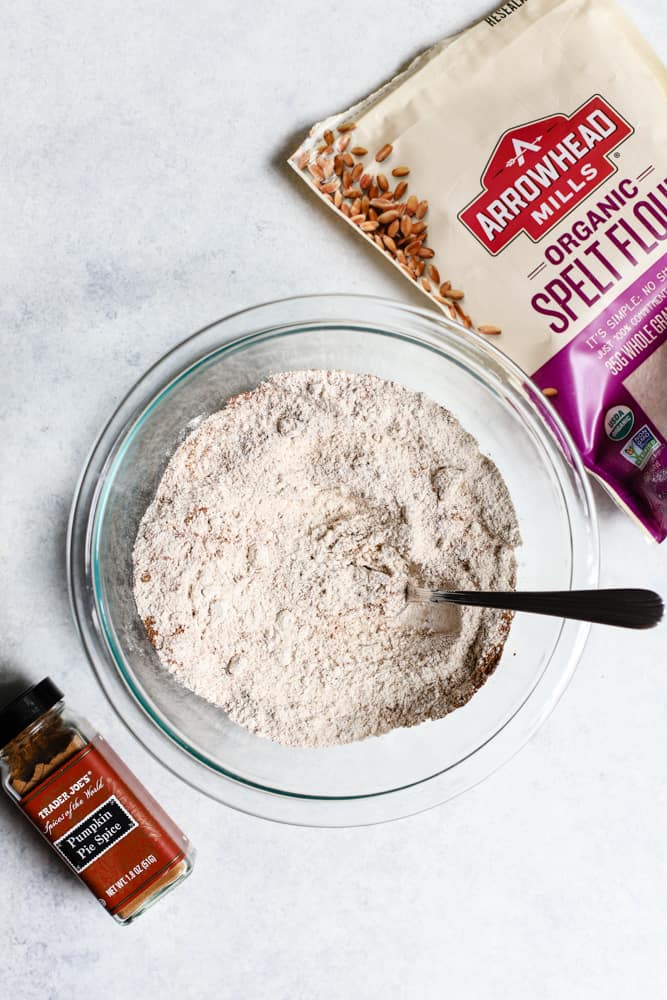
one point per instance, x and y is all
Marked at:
(539, 172)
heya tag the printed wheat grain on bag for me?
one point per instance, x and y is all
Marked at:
(517, 173)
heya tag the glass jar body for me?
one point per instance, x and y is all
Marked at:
(95, 813)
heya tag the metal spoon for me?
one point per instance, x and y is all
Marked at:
(627, 608)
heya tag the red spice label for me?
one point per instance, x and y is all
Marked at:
(105, 825)
(539, 172)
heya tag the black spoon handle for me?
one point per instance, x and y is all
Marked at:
(628, 608)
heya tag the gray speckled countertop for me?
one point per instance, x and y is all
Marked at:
(142, 197)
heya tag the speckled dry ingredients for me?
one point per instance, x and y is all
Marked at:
(270, 569)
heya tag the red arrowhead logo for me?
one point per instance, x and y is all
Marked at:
(539, 172)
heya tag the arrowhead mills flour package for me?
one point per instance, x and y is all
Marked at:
(517, 174)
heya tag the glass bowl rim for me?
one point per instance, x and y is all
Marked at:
(107, 451)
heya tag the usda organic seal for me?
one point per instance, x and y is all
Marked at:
(618, 422)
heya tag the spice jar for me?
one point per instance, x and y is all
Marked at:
(88, 805)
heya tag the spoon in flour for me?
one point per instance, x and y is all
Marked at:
(627, 608)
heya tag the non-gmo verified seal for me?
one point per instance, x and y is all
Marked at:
(618, 422)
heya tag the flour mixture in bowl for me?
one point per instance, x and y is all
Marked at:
(271, 567)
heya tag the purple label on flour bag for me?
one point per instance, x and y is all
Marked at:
(591, 373)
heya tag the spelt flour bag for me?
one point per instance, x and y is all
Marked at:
(524, 162)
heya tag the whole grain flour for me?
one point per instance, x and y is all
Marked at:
(271, 566)
(516, 175)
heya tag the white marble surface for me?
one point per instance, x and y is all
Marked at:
(143, 195)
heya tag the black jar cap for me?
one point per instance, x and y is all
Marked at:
(27, 708)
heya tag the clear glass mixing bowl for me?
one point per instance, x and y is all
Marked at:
(404, 771)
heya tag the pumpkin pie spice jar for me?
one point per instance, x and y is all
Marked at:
(92, 810)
